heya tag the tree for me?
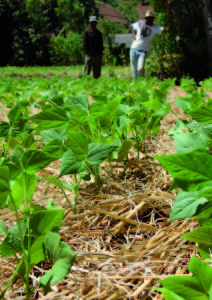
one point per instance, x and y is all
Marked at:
(185, 20)
(27, 26)
(207, 10)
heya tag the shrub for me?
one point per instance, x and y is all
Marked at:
(67, 50)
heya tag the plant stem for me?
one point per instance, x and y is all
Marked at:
(27, 262)
(96, 168)
(24, 258)
(89, 169)
(7, 144)
(90, 126)
(175, 115)
(34, 288)
(137, 142)
(12, 278)
(69, 203)
(18, 223)
(17, 260)
(76, 188)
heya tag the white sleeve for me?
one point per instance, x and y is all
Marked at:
(134, 26)
(159, 29)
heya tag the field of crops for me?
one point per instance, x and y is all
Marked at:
(105, 187)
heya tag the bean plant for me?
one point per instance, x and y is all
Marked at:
(191, 168)
(35, 236)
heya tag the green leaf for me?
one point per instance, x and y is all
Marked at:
(136, 117)
(55, 148)
(124, 150)
(15, 168)
(29, 142)
(99, 98)
(204, 214)
(186, 204)
(123, 122)
(192, 167)
(85, 176)
(207, 130)
(36, 251)
(51, 206)
(205, 251)
(97, 109)
(173, 186)
(4, 186)
(210, 293)
(15, 113)
(79, 118)
(186, 287)
(80, 102)
(112, 107)
(18, 152)
(56, 98)
(71, 165)
(3, 228)
(202, 115)
(164, 110)
(185, 105)
(206, 191)
(12, 242)
(35, 208)
(153, 104)
(180, 128)
(154, 123)
(144, 94)
(79, 144)
(62, 257)
(169, 295)
(57, 182)
(51, 134)
(46, 220)
(4, 129)
(35, 160)
(187, 142)
(36, 254)
(98, 152)
(12, 143)
(202, 272)
(28, 181)
(201, 235)
(52, 118)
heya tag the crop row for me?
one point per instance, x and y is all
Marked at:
(83, 130)
(191, 169)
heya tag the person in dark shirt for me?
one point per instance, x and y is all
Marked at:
(93, 48)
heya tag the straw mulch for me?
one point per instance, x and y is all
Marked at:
(121, 232)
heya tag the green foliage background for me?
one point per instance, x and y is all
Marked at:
(188, 54)
(27, 27)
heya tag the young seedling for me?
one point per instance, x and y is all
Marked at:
(31, 237)
(83, 156)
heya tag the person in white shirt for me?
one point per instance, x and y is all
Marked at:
(145, 32)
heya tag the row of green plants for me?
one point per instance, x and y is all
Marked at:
(66, 126)
(83, 133)
(191, 170)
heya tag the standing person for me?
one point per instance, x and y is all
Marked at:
(93, 48)
(145, 32)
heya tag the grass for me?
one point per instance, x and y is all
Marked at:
(72, 71)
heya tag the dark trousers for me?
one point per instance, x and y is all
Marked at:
(95, 62)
